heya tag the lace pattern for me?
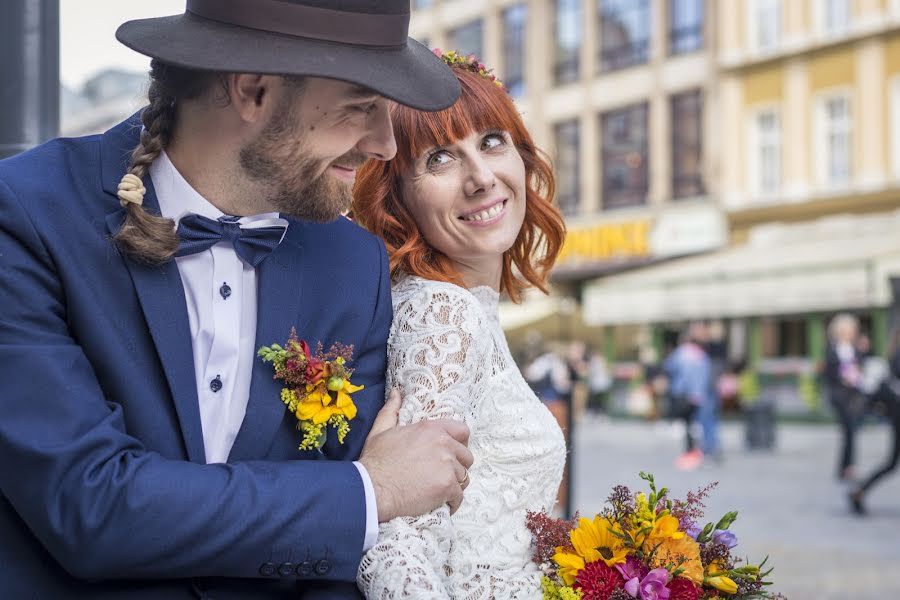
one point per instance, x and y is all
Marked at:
(449, 357)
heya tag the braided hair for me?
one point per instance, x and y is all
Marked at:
(144, 236)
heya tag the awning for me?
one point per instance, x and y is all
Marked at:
(832, 264)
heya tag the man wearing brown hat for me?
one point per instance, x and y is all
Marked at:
(146, 450)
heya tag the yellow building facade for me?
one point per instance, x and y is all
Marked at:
(777, 210)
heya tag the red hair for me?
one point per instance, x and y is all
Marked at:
(377, 204)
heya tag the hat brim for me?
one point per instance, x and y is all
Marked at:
(411, 75)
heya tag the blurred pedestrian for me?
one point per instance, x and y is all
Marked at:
(717, 350)
(599, 381)
(688, 369)
(842, 377)
(548, 375)
(885, 395)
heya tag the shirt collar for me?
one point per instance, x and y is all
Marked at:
(177, 198)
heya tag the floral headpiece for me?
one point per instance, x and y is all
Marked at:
(468, 63)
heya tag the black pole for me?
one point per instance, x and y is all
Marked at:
(29, 74)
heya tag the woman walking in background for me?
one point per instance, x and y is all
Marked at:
(842, 376)
(887, 397)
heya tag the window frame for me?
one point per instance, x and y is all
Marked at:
(639, 194)
(570, 204)
(567, 70)
(696, 30)
(754, 152)
(515, 86)
(677, 149)
(754, 24)
(823, 133)
(636, 52)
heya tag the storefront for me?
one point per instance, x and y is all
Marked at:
(775, 293)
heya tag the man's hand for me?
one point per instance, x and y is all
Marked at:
(415, 468)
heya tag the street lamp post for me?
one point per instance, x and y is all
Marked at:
(29, 74)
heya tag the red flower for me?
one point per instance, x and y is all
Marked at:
(597, 581)
(316, 369)
(683, 589)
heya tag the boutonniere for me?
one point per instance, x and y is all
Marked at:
(317, 387)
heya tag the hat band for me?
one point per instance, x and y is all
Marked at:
(307, 21)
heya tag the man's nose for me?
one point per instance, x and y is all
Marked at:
(379, 142)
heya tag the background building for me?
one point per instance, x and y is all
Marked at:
(762, 134)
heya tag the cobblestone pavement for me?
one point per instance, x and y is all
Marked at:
(790, 505)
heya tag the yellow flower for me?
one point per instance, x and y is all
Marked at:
(722, 583)
(666, 527)
(593, 541)
(570, 565)
(683, 553)
(344, 405)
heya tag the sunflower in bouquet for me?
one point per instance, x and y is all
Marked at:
(645, 547)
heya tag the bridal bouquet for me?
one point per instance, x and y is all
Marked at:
(645, 547)
(317, 388)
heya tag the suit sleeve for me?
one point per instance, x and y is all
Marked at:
(107, 508)
(369, 364)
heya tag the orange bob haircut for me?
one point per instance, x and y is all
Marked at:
(377, 204)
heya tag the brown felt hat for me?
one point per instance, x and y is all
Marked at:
(365, 42)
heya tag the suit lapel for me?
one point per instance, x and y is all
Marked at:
(161, 296)
(279, 285)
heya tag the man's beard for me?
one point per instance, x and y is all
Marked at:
(299, 184)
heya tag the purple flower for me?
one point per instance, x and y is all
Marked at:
(651, 587)
(725, 537)
(630, 569)
(693, 530)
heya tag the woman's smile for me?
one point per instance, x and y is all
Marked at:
(486, 216)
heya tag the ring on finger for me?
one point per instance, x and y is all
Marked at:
(465, 478)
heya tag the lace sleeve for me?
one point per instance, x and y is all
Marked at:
(438, 362)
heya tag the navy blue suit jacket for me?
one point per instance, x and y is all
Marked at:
(104, 490)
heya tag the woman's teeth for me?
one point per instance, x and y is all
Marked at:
(485, 214)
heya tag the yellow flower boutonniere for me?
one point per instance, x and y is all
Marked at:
(318, 389)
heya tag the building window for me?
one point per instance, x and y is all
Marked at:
(624, 33)
(834, 140)
(466, 39)
(765, 153)
(685, 26)
(832, 16)
(513, 77)
(895, 126)
(687, 144)
(625, 156)
(567, 35)
(568, 175)
(764, 23)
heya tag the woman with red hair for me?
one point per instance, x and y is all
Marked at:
(466, 214)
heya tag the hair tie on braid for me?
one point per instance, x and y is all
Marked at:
(131, 189)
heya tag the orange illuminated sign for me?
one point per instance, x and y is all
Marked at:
(606, 242)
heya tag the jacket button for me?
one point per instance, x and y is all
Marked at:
(286, 569)
(267, 569)
(305, 569)
(323, 567)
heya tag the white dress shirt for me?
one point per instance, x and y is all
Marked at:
(220, 292)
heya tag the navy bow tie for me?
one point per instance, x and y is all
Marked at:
(253, 245)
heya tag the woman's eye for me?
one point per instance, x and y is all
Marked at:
(365, 108)
(492, 141)
(437, 159)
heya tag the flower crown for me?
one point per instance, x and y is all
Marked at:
(468, 63)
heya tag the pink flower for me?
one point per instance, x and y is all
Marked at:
(651, 587)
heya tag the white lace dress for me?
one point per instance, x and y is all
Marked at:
(449, 357)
